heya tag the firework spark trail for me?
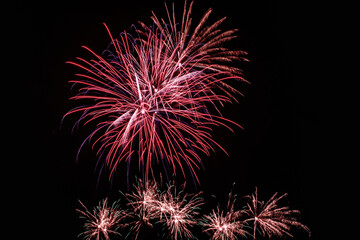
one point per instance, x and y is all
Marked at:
(222, 225)
(150, 97)
(103, 221)
(271, 219)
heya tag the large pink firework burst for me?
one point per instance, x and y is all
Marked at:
(103, 221)
(271, 219)
(152, 97)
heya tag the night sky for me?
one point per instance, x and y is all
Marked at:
(277, 151)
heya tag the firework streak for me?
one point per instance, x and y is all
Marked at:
(155, 98)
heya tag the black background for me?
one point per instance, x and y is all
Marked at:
(281, 148)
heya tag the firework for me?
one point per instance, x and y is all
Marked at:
(152, 97)
(175, 209)
(144, 203)
(224, 225)
(103, 221)
(272, 219)
(178, 211)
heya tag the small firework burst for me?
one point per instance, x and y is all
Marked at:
(222, 225)
(176, 210)
(179, 211)
(143, 203)
(271, 219)
(103, 221)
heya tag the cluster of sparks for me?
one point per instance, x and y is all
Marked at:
(222, 225)
(156, 97)
(179, 213)
(175, 209)
(103, 221)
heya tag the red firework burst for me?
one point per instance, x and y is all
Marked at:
(151, 97)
